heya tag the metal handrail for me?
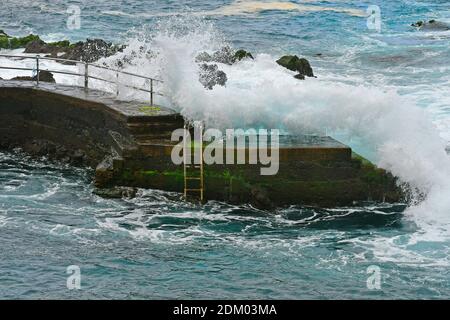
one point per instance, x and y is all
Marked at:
(86, 75)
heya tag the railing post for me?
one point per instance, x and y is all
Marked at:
(117, 84)
(151, 92)
(37, 70)
(86, 76)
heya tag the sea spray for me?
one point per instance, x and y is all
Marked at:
(387, 128)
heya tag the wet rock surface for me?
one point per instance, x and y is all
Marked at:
(225, 55)
(54, 151)
(300, 65)
(431, 25)
(260, 198)
(209, 73)
(210, 76)
(51, 49)
(116, 192)
(242, 54)
(91, 50)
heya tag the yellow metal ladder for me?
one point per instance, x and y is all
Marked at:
(189, 174)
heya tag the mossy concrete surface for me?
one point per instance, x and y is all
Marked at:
(307, 182)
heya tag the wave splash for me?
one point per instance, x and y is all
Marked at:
(387, 128)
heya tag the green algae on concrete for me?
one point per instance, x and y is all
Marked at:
(243, 184)
(150, 110)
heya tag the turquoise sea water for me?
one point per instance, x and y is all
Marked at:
(155, 246)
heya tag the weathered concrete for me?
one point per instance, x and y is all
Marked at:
(129, 145)
(73, 118)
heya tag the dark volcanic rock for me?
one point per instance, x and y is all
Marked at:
(24, 78)
(37, 147)
(52, 49)
(295, 63)
(54, 152)
(130, 57)
(242, 54)
(116, 192)
(299, 76)
(210, 75)
(203, 57)
(225, 55)
(44, 76)
(431, 25)
(91, 50)
(88, 51)
(39, 46)
(260, 198)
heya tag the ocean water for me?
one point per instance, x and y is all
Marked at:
(384, 93)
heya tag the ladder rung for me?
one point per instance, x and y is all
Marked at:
(192, 168)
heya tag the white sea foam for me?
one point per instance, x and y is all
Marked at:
(249, 8)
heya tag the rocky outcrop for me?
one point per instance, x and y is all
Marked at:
(52, 49)
(260, 198)
(242, 54)
(210, 76)
(116, 192)
(300, 65)
(128, 58)
(44, 76)
(91, 50)
(54, 152)
(431, 25)
(225, 55)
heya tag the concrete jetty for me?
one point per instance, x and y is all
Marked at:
(129, 145)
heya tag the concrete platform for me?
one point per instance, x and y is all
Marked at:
(129, 145)
(130, 109)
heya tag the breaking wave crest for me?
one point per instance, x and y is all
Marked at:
(389, 129)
